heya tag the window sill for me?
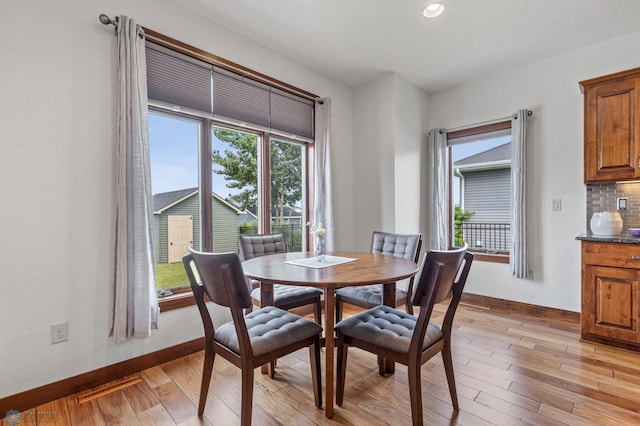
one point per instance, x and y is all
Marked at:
(490, 257)
(179, 299)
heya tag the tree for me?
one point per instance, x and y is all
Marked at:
(239, 166)
(459, 217)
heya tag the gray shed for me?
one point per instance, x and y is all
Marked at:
(177, 224)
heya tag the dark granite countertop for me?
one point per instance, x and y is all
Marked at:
(621, 238)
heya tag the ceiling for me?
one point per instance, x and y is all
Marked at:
(357, 41)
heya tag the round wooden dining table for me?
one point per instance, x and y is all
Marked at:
(301, 269)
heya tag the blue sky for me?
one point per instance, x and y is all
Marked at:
(174, 155)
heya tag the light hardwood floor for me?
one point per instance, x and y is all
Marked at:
(510, 370)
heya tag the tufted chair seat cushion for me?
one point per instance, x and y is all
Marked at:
(269, 328)
(387, 327)
(284, 294)
(371, 294)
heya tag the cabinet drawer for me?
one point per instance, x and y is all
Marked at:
(611, 254)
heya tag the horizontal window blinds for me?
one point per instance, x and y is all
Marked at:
(181, 81)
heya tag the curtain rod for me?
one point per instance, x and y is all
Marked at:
(180, 47)
(485, 123)
(106, 20)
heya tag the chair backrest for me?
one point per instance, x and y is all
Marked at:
(406, 246)
(221, 277)
(250, 246)
(442, 273)
(452, 261)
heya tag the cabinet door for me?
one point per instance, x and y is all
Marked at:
(610, 302)
(611, 131)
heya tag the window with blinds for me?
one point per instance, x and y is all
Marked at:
(183, 83)
(230, 150)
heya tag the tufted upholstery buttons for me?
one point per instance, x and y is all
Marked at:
(387, 327)
(286, 294)
(269, 328)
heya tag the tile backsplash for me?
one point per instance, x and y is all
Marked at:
(602, 197)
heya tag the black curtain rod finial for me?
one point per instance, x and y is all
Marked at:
(105, 20)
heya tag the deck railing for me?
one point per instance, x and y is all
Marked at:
(491, 237)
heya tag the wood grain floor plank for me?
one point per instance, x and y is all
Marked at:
(175, 402)
(116, 410)
(561, 416)
(53, 413)
(156, 415)
(141, 397)
(184, 376)
(155, 376)
(87, 413)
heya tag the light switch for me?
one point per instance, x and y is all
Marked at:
(556, 205)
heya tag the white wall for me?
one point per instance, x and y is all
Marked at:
(389, 134)
(555, 149)
(57, 167)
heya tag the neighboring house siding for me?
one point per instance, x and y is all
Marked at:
(487, 193)
(225, 228)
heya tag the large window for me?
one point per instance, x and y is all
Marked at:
(229, 155)
(481, 189)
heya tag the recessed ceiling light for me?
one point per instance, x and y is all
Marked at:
(432, 10)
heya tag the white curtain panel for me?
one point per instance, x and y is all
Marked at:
(518, 261)
(440, 209)
(323, 196)
(135, 310)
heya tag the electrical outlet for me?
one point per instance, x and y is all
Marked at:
(621, 203)
(59, 332)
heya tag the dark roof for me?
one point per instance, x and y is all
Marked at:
(164, 199)
(499, 153)
(167, 199)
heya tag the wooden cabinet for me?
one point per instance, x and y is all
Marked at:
(610, 285)
(612, 127)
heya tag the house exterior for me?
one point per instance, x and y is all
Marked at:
(485, 190)
(177, 224)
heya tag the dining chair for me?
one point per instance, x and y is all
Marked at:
(284, 296)
(406, 246)
(251, 340)
(409, 340)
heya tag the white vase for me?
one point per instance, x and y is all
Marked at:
(318, 248)
(606, 223)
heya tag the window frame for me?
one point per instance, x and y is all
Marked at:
(479, 255)
(183, 297)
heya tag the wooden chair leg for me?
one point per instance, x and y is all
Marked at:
(316, 373)
(317, 311)
(338, 309)
(272, 369)
(408, 306)
(448, 368)
(247, 396)
(341, 366)
(415, 393)
(207, 368)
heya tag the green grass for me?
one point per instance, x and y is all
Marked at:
(170, 275)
